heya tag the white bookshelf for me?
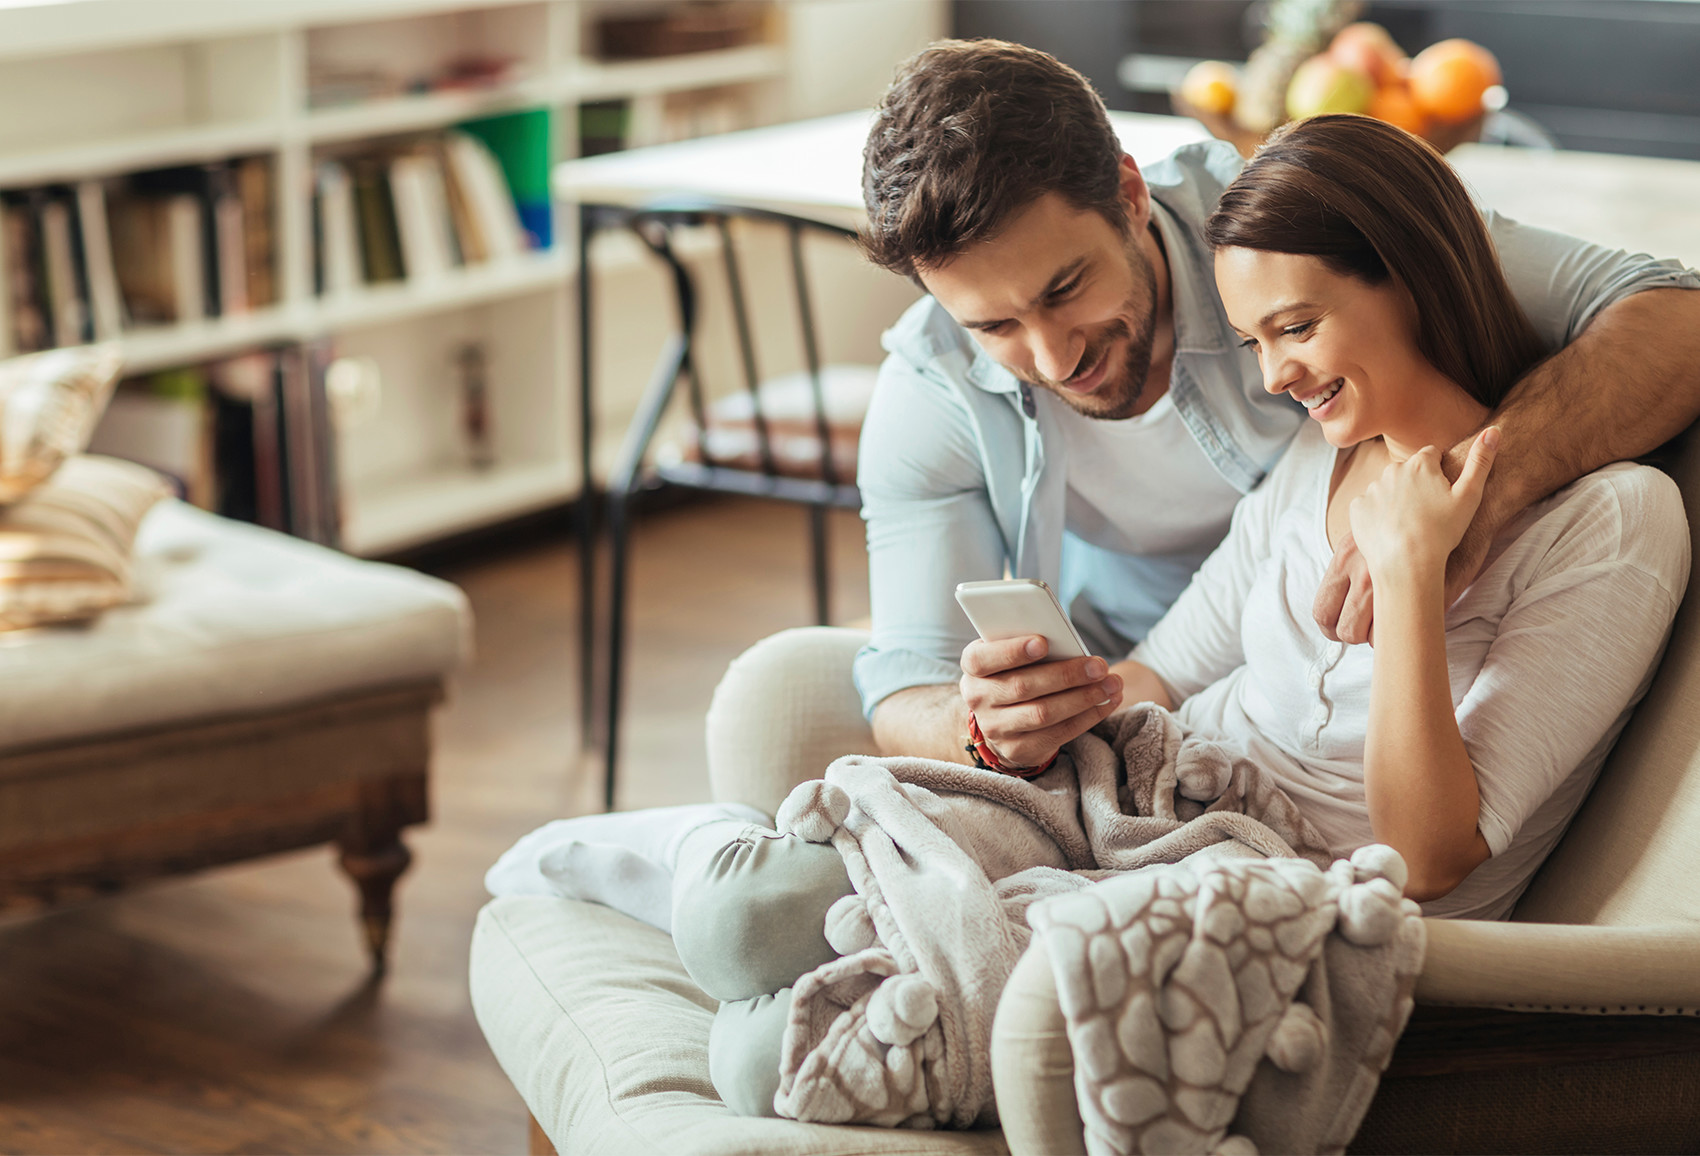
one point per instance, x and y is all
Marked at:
(119, 86)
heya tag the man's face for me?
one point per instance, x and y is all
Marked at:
(1063, 301)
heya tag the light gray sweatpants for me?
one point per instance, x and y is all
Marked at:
(749, 918)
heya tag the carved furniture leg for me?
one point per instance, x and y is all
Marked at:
(374, 855)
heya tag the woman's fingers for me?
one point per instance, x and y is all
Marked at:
(1477, 463)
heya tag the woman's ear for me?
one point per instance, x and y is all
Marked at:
(1135, 193)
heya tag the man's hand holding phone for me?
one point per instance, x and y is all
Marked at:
(1029, 681)
(1027, 707)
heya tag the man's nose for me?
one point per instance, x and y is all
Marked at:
(1056, 351)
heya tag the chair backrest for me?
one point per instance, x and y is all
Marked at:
(1632, 856)
(798, 425)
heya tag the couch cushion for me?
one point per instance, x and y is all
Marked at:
(1631, 856)
(66, 546)
(595, 1021)
(227, 619)
(49, 404)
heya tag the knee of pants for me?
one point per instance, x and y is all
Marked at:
(749, 916)
(743, 1052)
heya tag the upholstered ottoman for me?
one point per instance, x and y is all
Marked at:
(605, 1036)
(260, 694)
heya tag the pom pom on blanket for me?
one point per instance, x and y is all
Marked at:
(1299, 1039)
(1371, 913)
(813, 811)
(901, 1009)
(849, 927)
(1379, 861)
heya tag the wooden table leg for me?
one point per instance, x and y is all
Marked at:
(374, 855)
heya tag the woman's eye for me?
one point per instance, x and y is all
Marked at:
(1248, 343)
(1298, 330)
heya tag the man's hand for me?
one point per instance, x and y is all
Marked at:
(1028, 709)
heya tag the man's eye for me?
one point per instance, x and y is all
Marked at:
(1062, 291)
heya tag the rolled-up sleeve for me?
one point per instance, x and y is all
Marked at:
(1563, 282)
(930, 526)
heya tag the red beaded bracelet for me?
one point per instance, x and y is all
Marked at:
(987, 759)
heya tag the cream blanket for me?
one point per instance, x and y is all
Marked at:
(1240, 942)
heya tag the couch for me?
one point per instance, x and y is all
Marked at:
(1574, 1026)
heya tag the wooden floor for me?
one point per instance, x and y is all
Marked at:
(231, 1012)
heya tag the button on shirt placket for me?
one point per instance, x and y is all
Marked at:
(1325, 661)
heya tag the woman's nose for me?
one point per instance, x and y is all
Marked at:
(1280, 373)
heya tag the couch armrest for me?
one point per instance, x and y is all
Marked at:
(1033, 1066)
(1561, 967)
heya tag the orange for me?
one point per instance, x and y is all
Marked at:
(1394, 104)
(1210, 86)
(1449, 78)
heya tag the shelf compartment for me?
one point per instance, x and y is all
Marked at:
(426, 110)
(89, 104)
(132, 154)
(603, 80)
(383, 517)
(146, 350)
(470, 285)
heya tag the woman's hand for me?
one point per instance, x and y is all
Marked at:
(1412, 517)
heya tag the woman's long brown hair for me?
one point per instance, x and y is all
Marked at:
(1373, 202)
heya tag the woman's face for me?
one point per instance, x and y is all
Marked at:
(1345, 349)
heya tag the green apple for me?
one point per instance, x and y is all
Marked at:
(1323, 85)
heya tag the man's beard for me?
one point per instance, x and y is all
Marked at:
(1119, 395)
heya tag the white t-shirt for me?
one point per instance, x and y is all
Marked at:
(1114, 468)
(1114, 465)
(1548, 651)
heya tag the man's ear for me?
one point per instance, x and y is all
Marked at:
(1135, 194)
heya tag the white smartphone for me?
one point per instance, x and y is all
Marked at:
(1012, 607)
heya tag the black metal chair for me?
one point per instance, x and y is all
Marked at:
(791, 438)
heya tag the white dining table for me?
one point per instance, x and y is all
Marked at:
(814, 168)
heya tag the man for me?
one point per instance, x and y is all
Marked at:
(1070, 403)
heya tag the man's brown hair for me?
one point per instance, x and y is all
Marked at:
(970, 133)
(1374, 202)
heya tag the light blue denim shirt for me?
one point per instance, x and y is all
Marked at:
(960, 467)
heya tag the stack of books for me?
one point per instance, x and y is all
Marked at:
(413, 211)
(248, 437)
(87, 262)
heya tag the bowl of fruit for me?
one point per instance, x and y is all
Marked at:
(1441, 94)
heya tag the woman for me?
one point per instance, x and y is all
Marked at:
(1349, 257)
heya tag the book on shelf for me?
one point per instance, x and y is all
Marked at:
(66, 304)
(423, 224)
(106, 306)
(248, 437)
(254, 191)
(374, 210)
(186, 258)
(520, 144)
(20, 245)
(479, 176)
(337, 237)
